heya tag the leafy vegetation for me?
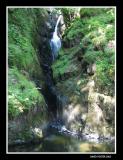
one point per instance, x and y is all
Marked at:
(93, 33)
(21, 51)
(69, 15)
(83, 73)
(65, 62)
(23, 61)
(22, 93)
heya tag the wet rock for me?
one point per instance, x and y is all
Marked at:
(21, 129)
(91, 69)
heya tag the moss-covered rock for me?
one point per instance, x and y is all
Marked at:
(28, 127)
(23, 94)
(27, 108)
(84, 72)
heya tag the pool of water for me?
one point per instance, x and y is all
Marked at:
(62, 143)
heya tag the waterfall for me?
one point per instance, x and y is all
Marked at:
(57, 23)
(55, 42)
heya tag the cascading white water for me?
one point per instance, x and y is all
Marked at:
(55, 42)
(57, 23)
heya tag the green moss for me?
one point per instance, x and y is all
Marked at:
(76, 29)
(89, 12)
(22, 60)
(92, 56)
(22, 93)
(95, 30)
(22, 24)
(65, 61)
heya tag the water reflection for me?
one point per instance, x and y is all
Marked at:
(61, 143)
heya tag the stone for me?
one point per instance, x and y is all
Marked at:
(91, 69)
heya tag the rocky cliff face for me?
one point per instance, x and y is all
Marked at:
(88, 111)
(29, 123)
(27, 107)
(68, 87)
(78, 73)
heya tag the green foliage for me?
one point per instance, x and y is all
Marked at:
(99, 27)
(22, 93)
(21, 27)
(22, 58)
(92, 56)
(75, 30)
(64, 61)
(68, 14)
(87, 12)
(105, 76)
(60, 66)
(95, 30)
